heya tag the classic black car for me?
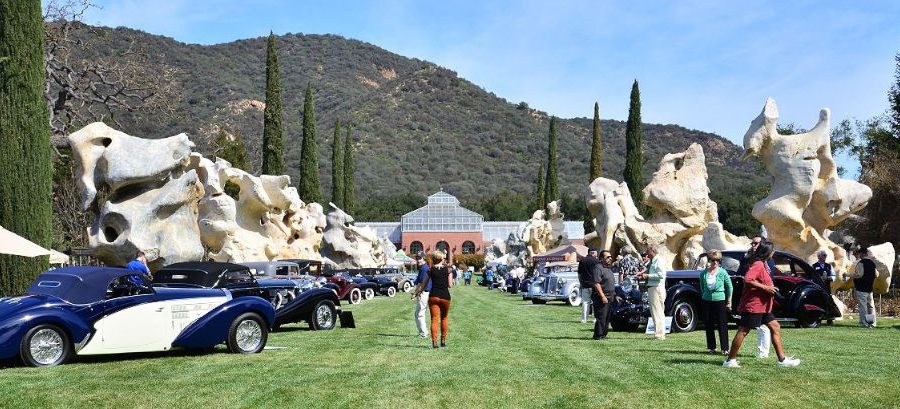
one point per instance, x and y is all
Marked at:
(318, 306)
(384, 274)
(802, 297)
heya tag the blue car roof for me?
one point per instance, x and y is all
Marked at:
(77, 285)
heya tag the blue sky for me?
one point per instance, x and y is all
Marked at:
(706, 65)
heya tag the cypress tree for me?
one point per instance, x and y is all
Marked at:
(541, 197)
(273, 143)
(309, 153)
(596, 169)
(25, 162)
(337, 167)
(349, 174)
(551, 192)
(633, 156)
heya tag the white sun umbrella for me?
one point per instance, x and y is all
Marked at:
(11, 243)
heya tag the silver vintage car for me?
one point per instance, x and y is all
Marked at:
(558, 281)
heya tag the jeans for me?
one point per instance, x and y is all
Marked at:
(715, 317)
(657, 296)
(865, 303)
(586, 301)
(419, 314)
(601, 313)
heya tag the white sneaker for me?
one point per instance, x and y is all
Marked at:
(762, 355)
(731, 363)
(789, 362)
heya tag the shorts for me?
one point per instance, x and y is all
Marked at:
(755, 319)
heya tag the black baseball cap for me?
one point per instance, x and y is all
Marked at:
(420, 255)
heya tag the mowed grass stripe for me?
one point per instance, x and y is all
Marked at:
(503, 352)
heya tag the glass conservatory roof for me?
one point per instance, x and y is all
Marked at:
(442, 213)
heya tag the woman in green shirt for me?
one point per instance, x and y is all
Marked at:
(715, 290)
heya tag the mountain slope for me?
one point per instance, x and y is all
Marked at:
(417, 126)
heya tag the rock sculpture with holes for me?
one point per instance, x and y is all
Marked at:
(807, 197)
(170, 204)
(347, 245)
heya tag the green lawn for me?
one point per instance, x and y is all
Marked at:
(502, 353)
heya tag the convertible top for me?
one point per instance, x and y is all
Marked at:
(195, 273)
(77, 285)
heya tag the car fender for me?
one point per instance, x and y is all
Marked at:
(678, 292)
(300, 308)
(212, 329)
(811, 298)
(13, 327)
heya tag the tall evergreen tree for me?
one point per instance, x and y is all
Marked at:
(552, 191)
(596, 169)
(25, 163)
(273, 142)
(337, 167)
(633, 155)
(540, 202)
(309, 153)
(349, 174)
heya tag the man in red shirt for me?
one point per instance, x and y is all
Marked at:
(755, 307)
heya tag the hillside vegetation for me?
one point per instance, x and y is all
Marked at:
(417, 127)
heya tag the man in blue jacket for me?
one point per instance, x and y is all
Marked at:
(422, 299)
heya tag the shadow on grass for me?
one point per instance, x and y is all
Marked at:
(91, 359)
(295, 328)
(571, 338)
(395, 335)
(682, 361)
(682, 352)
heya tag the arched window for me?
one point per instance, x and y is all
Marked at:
(415, 247)
(443, 246)
(468, 247)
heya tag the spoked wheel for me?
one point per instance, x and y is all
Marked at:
(407, 286)
(323, 317)
(248, 334)
(391, 291)
(355, 296)
(45, 345)
(370, 294)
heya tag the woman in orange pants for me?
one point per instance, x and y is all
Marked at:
(439, 297)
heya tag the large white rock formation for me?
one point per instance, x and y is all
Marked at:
(807, 197)
(170, 204)
(347, 245)
(684, 220)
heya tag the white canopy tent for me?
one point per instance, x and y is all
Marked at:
(13, 244)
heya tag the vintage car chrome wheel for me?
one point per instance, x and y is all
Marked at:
(248, 334)
(574, 298)
(684, 316)
(45, 345)
(323, 316)
(407, 286)
(355, 296)
(370, 294)
(391, 291)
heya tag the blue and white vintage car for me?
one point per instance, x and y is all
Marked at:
(102, 310)
(558, 281)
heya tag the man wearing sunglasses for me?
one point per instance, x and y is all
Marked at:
(604, 287)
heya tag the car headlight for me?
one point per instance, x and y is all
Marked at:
(562, 282)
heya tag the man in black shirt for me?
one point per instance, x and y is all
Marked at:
(604, 285)
(586, 281)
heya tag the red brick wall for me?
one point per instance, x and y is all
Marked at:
(429, 240)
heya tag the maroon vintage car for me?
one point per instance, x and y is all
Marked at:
(345, 289)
